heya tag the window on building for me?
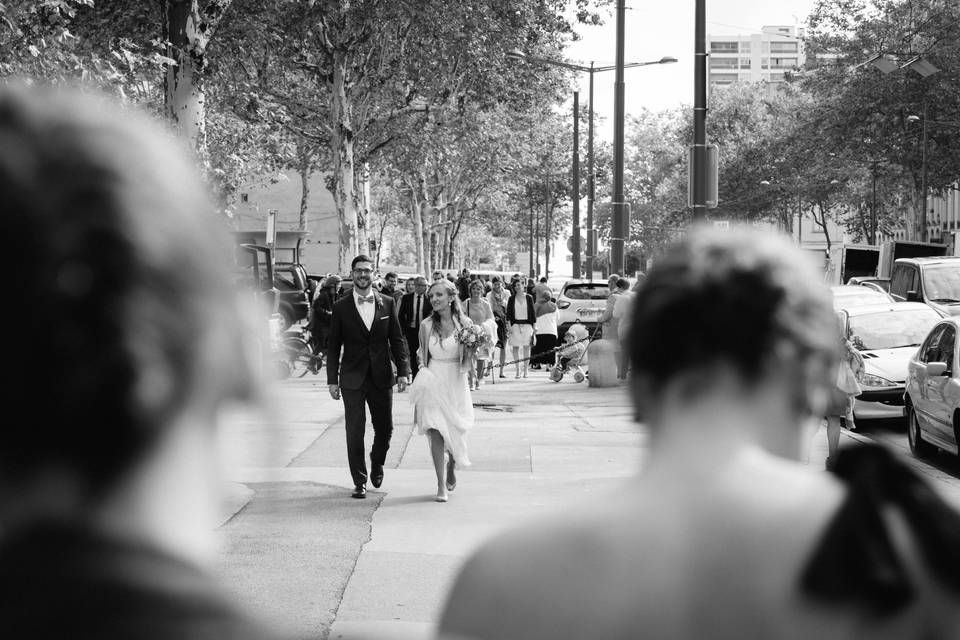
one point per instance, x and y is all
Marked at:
(783, 47)
(744, 47)
(723, 63)
(764, 63)
(723, 78)
(783, 63)
(723, 47)
(776, 77)
(744, 63)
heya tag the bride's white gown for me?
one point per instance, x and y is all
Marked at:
(442, 397)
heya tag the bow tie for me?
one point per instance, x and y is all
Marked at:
(369, 298)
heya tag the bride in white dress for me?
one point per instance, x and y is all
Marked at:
(444, 407)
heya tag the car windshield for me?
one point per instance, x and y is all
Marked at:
(587, 291)
(941, 283)
(891, 329)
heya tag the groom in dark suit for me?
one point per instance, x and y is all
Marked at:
(365, 327)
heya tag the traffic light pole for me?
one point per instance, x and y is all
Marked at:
(575, 248)
(591, 187)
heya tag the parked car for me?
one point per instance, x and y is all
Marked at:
(293, 292)
(933, 280)
(874, 282)
(932, 396)
(887, 335)
(851, 295)
(581, 301)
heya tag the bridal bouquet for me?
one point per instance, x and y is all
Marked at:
(473, 337)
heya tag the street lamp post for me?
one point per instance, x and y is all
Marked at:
(575, 181)
(591, 183)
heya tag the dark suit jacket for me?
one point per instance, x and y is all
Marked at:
(365, 351)
(407, 310)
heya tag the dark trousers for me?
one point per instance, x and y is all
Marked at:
(355, 402)
(413, 343)
(543, 349)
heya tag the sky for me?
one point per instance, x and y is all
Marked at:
(666, 28)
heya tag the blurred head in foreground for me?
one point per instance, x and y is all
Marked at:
(733, 316)
(124, 335)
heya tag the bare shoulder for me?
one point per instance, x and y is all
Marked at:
(518, 580)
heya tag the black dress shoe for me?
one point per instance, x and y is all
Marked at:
(376, 476)
(359, 491)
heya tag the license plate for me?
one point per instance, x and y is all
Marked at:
(589, 314)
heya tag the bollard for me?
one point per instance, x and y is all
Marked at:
(603, 364)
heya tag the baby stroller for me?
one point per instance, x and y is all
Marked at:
(571, 357)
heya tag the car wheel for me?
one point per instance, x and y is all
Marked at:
(918, 446)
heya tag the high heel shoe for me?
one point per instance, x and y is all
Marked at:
(451, 481)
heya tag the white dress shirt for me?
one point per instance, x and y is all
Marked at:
(367, 309)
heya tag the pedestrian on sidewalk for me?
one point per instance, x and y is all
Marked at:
(623, 314)
(726, 534)
(442, 401)
(480, 313)
(545, 330)
(414, 307)
(850, 374)
(109, 496)
(322, 311)
(520, 318)
(365, 328)
(497, 297)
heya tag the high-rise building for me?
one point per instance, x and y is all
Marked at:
(756, 57)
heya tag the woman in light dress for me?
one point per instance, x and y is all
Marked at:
(521, 318)
(444, 408)
(480, 312)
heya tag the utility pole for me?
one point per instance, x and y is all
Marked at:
(621, 224)
(700, 115)
(591, 187)
(575, 243)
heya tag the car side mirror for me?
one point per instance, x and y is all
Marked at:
(913, 296)
(935, 369)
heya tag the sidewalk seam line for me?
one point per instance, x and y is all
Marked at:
(294, 459)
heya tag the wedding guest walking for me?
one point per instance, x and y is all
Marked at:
(545, 330)
(480, 313)
(365, 327)
(497, 298)
(443, 406)
(414, 307)
(520, 318)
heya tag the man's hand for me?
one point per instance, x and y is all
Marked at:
(402, 382)
(334, 391)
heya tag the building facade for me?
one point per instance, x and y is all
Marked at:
(757, 57)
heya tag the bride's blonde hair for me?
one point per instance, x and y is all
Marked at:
(456, 312)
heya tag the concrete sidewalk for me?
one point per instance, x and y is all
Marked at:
(537, 447)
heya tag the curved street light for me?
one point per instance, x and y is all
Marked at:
(520, 56)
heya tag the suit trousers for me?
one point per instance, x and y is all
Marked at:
(413, 343)
(355, 402)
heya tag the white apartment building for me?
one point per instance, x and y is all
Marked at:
(756, 57)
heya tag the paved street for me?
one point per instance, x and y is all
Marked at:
(299, 550)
